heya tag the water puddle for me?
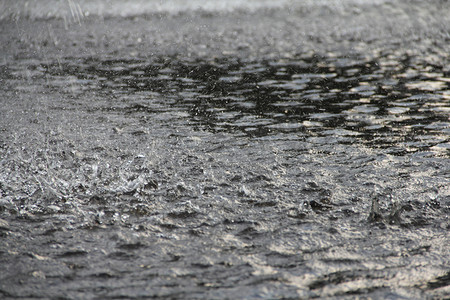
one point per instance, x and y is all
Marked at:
(215, 154)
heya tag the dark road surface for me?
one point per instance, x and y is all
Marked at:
(190, 150)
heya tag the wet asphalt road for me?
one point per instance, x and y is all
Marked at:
(299, 151)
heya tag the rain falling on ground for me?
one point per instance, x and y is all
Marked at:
(225, 150)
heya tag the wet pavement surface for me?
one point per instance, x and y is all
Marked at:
(289, 152)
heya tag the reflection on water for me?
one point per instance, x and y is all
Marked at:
(382, 103)
(180, 179)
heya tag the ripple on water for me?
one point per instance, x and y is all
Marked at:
(268, 94)
(194, 177)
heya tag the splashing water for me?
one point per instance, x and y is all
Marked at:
(227, 151)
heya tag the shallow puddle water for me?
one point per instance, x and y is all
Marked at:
(305, 176)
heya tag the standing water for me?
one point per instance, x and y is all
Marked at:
(226, 150)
